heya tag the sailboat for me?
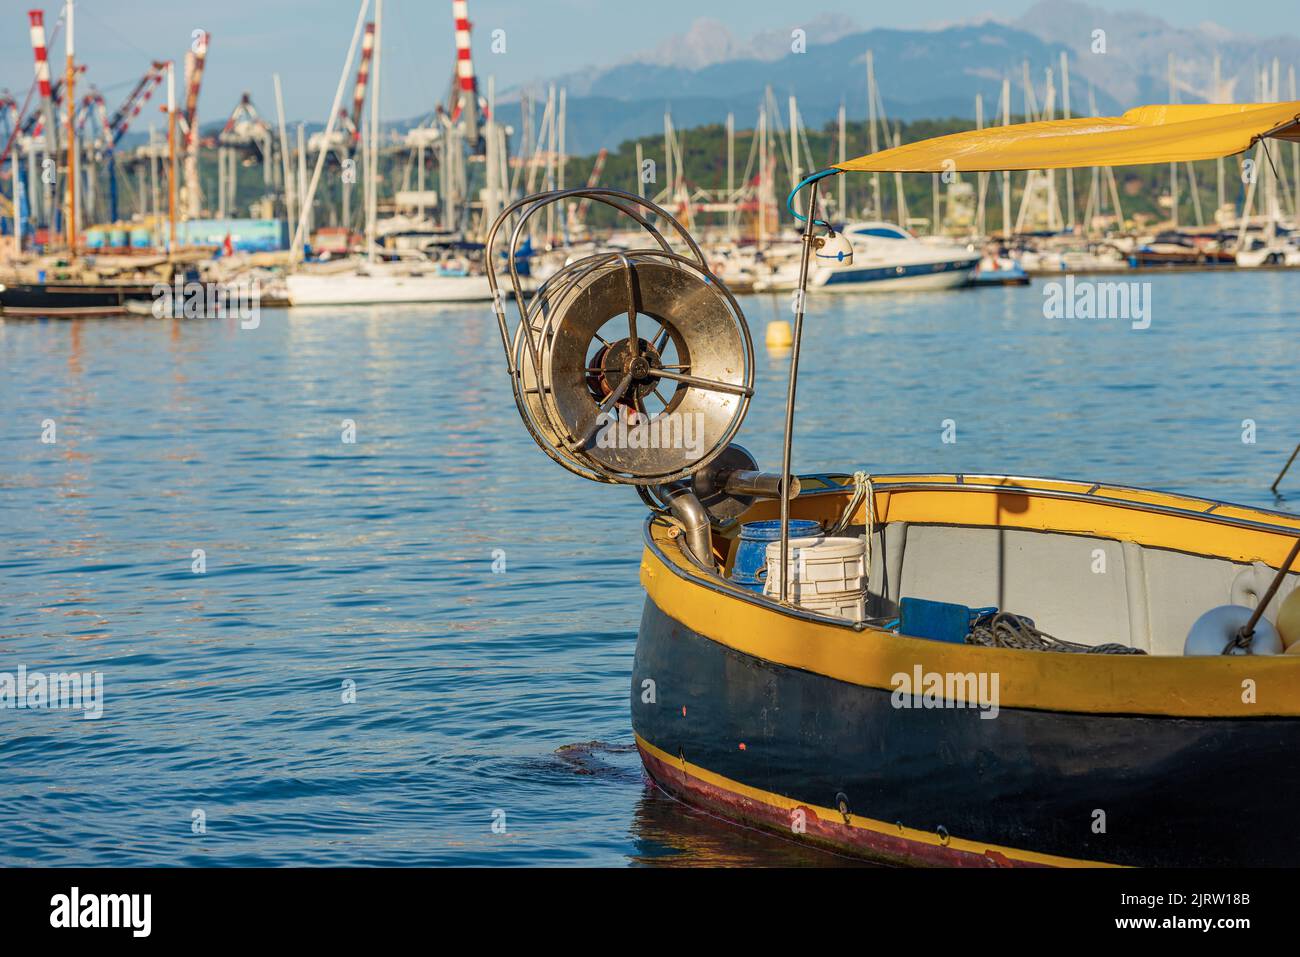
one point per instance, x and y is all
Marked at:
(922, 668)
(399, 278)
(374, 282)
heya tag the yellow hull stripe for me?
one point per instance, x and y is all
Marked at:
(859, 822)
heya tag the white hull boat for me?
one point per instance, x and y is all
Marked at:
(381, 285)
(887, 258)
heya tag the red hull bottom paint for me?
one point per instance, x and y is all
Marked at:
(839, 836)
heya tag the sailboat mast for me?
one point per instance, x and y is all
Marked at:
(731, 173)
(1218, 92)
(69, 98)
(284, 149)
(871, 132)
(763, 173)
(1065, 113)
(796, 173)
(171, 155)
(372, 167)
(982, 178)
(309, 193)
(1173, 167)
(1295, 155)
(843, 206)
(1006, 174)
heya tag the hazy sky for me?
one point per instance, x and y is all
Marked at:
(306, 40)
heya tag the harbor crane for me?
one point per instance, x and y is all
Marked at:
(343, 142)
(245, 138)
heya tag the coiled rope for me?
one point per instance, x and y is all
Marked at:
(1005, 630)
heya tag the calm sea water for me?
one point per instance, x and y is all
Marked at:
(368, 567)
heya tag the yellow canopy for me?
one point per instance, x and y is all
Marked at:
(1172, 133)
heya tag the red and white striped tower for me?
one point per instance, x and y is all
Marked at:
(42, 55)
(37, 19)
(467, 86)
(47, 99)
(363, 79)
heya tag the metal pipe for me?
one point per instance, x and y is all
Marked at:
(1248, 630)
(1285, 469)
(788, 442)
(686, 508)
(760, 484)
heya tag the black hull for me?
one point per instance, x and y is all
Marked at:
(1173, 791)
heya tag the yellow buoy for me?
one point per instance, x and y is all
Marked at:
(779, 334)
(1288, 621)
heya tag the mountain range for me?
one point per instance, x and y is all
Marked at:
(708, 71)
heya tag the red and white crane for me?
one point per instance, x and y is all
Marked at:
(246, 136)
(580, 217)
(195, 57)
(135, 100)
(363, 81)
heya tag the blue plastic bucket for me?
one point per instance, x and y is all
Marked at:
(751, 551)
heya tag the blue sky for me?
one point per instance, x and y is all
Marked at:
(306, 40)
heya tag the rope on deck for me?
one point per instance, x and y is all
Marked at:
(1005, 630)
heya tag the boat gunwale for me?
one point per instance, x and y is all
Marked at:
(907, 482)
(910, 481)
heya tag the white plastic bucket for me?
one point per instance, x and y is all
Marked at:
(827, 575)
(852, 607)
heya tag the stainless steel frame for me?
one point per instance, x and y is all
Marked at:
(537, 327)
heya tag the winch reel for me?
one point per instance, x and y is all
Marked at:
(628, 366)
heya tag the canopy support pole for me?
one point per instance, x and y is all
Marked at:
(800, 299)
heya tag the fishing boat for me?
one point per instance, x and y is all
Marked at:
(943, 669)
